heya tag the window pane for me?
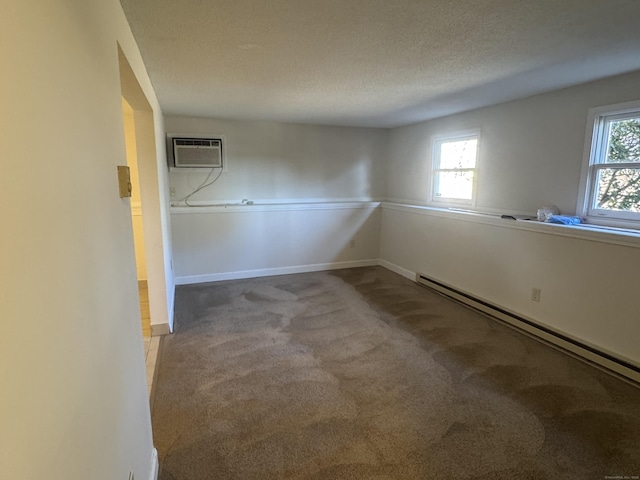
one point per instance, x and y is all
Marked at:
(458, 185)
(618, 189)
(624, 141)
(458, 154)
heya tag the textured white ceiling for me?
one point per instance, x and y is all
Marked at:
(374, 62)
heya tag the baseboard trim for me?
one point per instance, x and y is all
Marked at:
(160, 329)
(397, 269)
(578, 348)
(268, 272)
(155, 467)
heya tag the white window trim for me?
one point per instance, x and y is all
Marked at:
(452, 136)
(588, 172)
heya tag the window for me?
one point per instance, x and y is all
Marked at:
(611, 177)
(454, 168)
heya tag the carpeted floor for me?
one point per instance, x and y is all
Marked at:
(362, 374)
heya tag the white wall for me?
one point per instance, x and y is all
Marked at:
(531, 150)
(74, 400)
(530, 155)
(241, 242)
(589, 288)
(280, 163)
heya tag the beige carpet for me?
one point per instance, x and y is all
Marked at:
(362, 374)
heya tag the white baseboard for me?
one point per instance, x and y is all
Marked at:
(160, 329)
(268, 272)
(153, 473)
(397, 269)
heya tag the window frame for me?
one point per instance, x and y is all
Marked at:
(436, 143)
(595, 150)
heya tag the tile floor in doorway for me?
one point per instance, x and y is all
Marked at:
(151, 347)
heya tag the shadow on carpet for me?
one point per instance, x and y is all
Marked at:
(362, 374)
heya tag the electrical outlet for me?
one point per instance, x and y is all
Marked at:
(535, 294)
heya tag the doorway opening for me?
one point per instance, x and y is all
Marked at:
(149, 214)
(153, 188)
(137, 216)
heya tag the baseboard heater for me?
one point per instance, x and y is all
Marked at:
(531, 327)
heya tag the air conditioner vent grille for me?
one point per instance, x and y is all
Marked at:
(196, 142)
(197, 152)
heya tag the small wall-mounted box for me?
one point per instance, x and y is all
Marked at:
(124, 181)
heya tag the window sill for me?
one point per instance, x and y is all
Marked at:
(604, 222)
(595, 233)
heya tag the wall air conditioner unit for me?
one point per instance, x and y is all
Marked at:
(197, 152)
